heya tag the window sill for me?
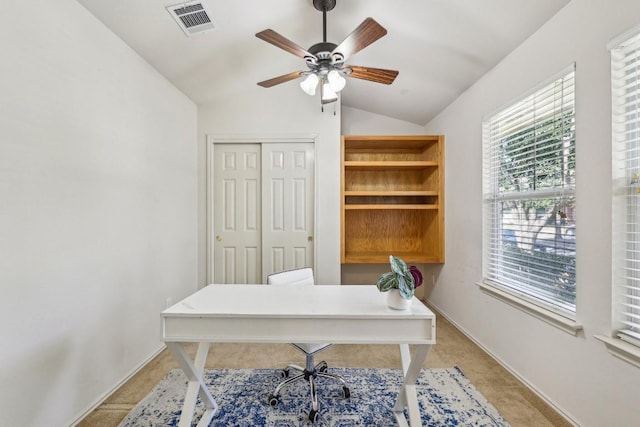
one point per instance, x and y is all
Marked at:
(567, 325)
(622, 350)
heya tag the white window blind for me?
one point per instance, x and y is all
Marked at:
(529, 197)
(625, 76)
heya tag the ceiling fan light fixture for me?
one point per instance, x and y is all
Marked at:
(309, 84)
(328, 95)
(336, 81)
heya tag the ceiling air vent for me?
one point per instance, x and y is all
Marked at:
(192, 17)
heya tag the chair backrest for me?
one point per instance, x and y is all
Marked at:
(298, 276)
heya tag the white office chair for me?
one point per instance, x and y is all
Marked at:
(304, 276)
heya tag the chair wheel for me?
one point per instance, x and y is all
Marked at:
(284, 373)
(323, 367)
(346, 393)
(313, 416)
(273, 400)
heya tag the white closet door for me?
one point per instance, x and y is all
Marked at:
(288, 206)
(236, 213)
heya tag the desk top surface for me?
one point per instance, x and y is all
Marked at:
(299, 301)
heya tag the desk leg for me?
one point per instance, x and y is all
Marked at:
(196, 386)
(407, 396)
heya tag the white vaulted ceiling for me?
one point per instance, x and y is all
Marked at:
(440, 47)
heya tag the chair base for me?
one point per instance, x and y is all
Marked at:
(308, 374)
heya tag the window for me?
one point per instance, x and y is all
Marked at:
(529, 198)
(625, 75)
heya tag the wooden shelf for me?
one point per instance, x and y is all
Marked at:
(377, 258)
(390, 193)
(389, 206)
(392, 198)
(386, 165)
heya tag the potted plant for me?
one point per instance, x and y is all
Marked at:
(400, 283)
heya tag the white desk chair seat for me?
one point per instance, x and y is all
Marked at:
(299, 276)
(304, 276)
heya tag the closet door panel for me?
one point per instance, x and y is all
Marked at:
(288, 206)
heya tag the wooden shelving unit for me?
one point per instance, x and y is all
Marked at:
(392, 198)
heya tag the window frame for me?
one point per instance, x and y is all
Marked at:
(552, 313)
(624, 338)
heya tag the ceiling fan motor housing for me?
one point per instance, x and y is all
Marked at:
(324, 5)
(324, 59)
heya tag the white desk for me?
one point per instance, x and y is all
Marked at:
(285, 314)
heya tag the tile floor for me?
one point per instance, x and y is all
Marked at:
(517, 404)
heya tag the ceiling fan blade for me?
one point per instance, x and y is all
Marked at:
(280, 79)
(378, 75)
(282, 42)
(366, 33)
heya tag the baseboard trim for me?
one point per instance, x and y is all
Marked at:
(113, 389)
(505, 365)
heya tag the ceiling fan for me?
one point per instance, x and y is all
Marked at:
(325, 60)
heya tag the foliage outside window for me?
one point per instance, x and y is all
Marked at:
(529, 197)
(625, 73)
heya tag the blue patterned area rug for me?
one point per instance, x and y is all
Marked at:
(445, 396)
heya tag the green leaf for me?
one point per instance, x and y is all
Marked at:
(386, 282)
(398, 266)
(405, 287)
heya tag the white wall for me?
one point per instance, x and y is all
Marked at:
(283, 110)
(577, 374)
(97, 210)
(359, 122)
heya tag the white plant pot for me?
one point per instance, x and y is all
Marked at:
(396, 301)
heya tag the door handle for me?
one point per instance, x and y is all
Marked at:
(309, 238)
(218, 238)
